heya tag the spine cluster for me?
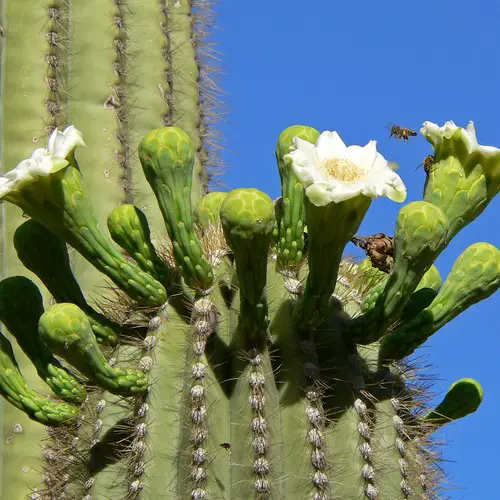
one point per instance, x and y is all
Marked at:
(136, 461)
(316, 436)
(260, 441)
(204, 323)
(118, 100)
(365, 449)
(401, 438)
(56, 36)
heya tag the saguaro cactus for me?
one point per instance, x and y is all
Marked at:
(235, 355)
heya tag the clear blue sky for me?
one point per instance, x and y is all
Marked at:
(355, 67)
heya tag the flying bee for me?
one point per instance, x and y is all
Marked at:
(401, 132)
(427, 163)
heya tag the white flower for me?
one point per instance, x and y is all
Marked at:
(42, 162)
(436, 135)
(332, 172)
(62, 143)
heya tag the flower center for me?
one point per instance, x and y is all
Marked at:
(342, 169)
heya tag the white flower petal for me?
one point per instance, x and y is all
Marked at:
(330, 145)
(436, 135)
(301, 168)
(471, 129)
(331, 172)
(363, 157)
(61, 144)
(307, 149)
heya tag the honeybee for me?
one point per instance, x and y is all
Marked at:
(401, 132)
(427, 163)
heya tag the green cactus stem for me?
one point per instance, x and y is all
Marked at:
(421, 235)
(292, 216)
(325, 249)
(14, 389)
(209, 209)
(20, 310)
(129, 228)
(59, 202)
(49, 260)
(247, 217)
(67, 332)
(474, 277)
(463, 398)
(167, 157)
(245, 395)
(465, 176)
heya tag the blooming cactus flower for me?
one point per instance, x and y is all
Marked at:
(437, 135)
(330, 171)
(42, 162)
(61, 144)
(465, 175)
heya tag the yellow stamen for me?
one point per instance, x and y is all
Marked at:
(342, 169)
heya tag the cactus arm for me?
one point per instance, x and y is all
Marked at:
(20, 309)
(209, 209)
(463, 397)
(474, 277)
(325, 248)
(292, 221)
(465, 176)
(14, 389)
(49, 260)
(58, 200)
(167, 157)
(129, 228)
(67, 332)
(247, 217)
(421, 230)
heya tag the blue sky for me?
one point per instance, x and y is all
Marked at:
(354, 67)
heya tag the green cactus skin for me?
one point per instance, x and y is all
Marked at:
(463, 180)
(326, 249)
(474, 277)
(129, 228)
(463, 397)
(291, 228)
(49, 260)
(111, 86)
(167, 156)
(66, 331)
(20, 310)
(288, 378)
(14, 389)
(421, 232)
(209, 209)
(302, 409)
(60, 203)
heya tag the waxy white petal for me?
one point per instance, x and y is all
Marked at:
(331, 172)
